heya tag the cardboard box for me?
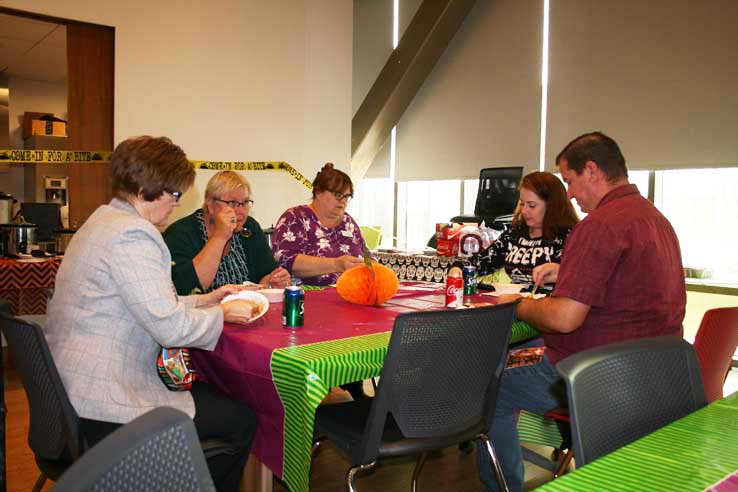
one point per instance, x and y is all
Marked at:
(43, 124)
(45, 142)
(53, 128)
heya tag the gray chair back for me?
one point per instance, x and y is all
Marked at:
(620, 392)
(54, 434)
(157, 451)
(440, 376)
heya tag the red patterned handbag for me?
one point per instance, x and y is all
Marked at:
(175, 368)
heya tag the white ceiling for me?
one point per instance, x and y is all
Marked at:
(33, 49)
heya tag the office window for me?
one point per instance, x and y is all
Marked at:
(373, 205)
(471, 187)
(420, 205)
(702, 205)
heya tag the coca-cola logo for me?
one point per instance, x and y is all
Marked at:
(451, 290)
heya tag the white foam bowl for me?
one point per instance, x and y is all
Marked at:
(253, 297)
(507, 288)
(273, 295)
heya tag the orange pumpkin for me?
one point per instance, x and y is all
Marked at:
(357, 285)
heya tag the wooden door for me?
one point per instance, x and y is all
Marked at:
(91, 69)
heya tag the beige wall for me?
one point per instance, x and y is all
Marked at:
(31, 95)
(232, 80)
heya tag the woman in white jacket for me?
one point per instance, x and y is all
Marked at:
(114, 305)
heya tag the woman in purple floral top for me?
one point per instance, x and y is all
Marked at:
(317, 242)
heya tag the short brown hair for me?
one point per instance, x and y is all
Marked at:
(598, 148)
(560, 215)
(150, 165)
(330, 179)
(224, 182)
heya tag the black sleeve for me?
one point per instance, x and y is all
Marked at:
(494, 257)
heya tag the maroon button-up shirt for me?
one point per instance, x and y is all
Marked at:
(623, 260)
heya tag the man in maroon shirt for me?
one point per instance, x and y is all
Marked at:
(620, 278)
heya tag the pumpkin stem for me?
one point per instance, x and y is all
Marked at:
(368, 263)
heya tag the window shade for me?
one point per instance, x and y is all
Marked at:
(660, 77)
(480, 106)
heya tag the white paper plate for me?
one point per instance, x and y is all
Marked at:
(274, 296)
(507, 288)
(253, 297)
(521, 294)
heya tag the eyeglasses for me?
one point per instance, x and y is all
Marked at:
(236, 203)
(175, 194)
(341, 196)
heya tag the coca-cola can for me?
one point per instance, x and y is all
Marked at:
(454, 288)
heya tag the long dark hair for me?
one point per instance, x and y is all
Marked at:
(560, 215)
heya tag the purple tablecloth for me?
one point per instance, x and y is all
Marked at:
(240, 365)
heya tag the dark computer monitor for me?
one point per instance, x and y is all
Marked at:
(46, 216)
(498, 191)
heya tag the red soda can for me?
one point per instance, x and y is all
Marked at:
(454, 288)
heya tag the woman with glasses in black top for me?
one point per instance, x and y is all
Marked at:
(220, 244)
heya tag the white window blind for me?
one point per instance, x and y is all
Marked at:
(480, 106)
(660, 77)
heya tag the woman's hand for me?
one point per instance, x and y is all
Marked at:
(214, 297)
(278, 279)
(225, 223)
(545, 274)
(345, 262)
(237, 311)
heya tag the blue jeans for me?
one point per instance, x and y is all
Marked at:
(537, 388)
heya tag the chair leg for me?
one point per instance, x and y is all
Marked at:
(353, 471)
(416, 471)
(564, 466)
(495, 463)
(39, 483)
(316, 444)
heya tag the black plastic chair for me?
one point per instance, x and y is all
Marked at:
(438, 388)
(620, 392)
(157, 451)
(54, 432)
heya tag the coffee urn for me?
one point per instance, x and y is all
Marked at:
(6, 207)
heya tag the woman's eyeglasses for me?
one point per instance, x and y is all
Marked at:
(236, 203)
(341, 196)
(175, 194)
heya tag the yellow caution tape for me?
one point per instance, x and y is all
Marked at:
(254, 166)
(67, 156)
(52, 156)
